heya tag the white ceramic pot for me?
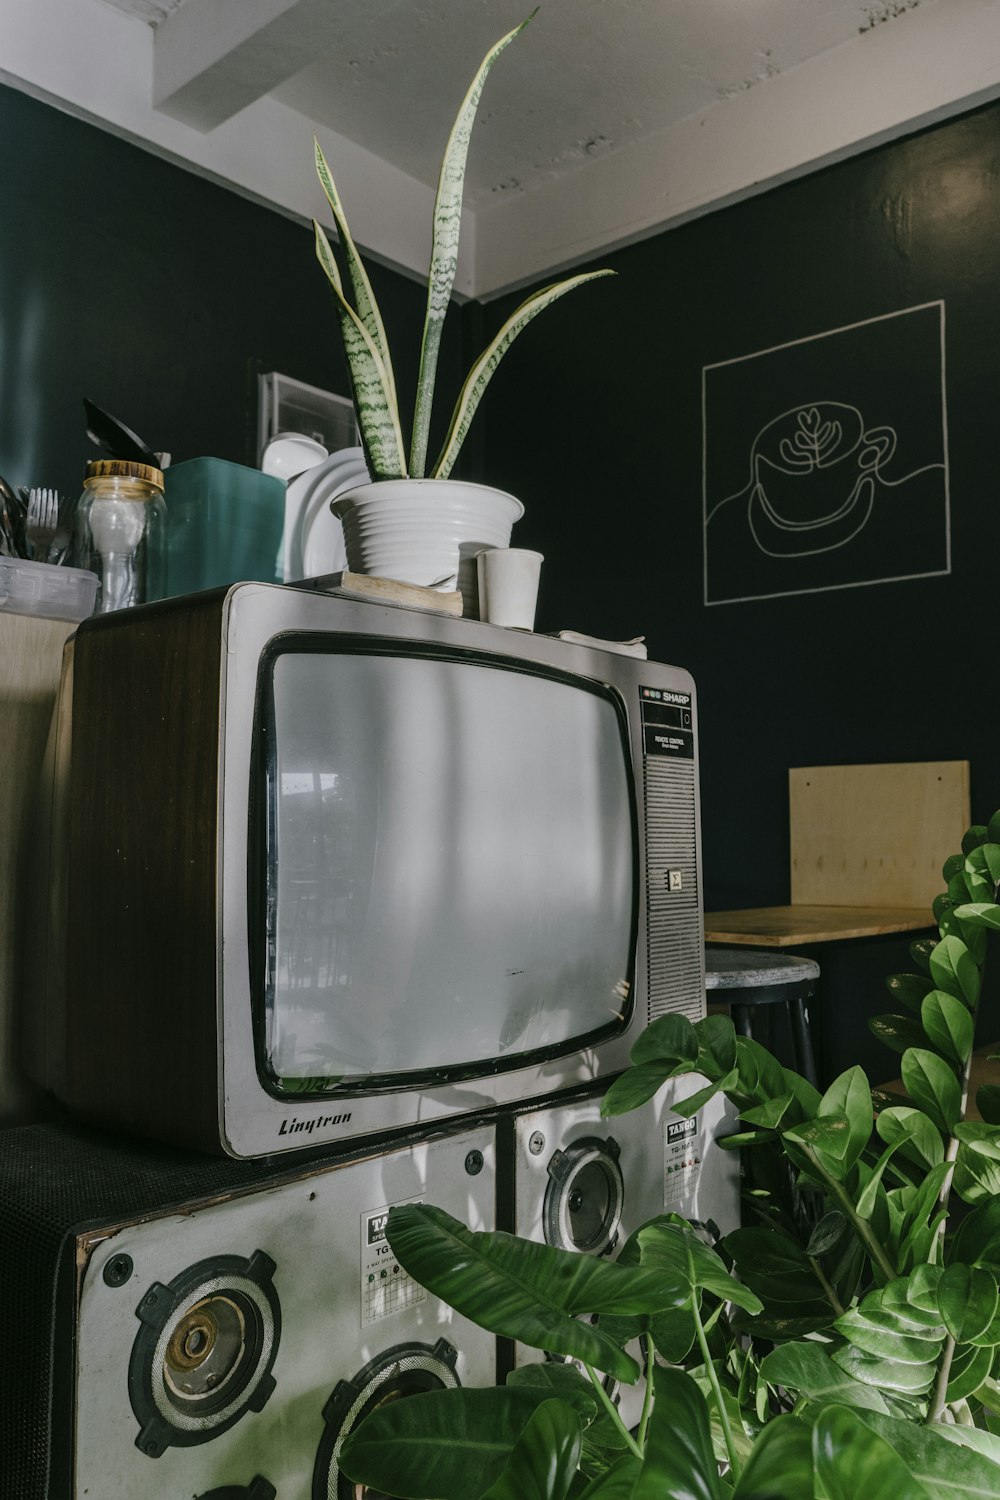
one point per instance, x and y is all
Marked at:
(425, 530)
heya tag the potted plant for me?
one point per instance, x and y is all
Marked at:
(414, 522)
(846, 1342)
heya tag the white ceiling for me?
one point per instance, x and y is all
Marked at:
(587, 78)
(607, 120)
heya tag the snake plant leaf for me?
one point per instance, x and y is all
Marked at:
(365, 302)
(483, 370)
(947, 1471)
(949, 1024)
(781, 1463)
(544, 1460)
(807, 1369)
(919, 1140)
(373, 399)
(439, 1445)
(851, 1460)
(527, 1291)
(444, 250)
(954, 970)
(932, 1084)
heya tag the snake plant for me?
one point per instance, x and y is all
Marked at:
(363, 331)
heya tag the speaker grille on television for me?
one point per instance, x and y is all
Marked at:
(674, 930)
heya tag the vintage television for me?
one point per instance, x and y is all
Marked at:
(323, 868)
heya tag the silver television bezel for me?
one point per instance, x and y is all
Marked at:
(252, 1122)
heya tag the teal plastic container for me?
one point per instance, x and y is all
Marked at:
(224, 525)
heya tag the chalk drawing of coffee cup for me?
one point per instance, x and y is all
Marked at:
(813, 463)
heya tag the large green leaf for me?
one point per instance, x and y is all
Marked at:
(781, 1464)
(440, 1445)
(977, 1176)
(949, 1024)
(919, 1140)
(635, 1087)
(760, 1072)
(850, 1095)
(851, 1460)
(444, 249)
(807, 1369)
(776, 1268)
(716, 1045)
(897, 1032)
(954, 970)
(670, 1245)
(988, 1103)
(679, 1459)
(977, 1239)
(668, 1040)
(909, 989)
(969, 1369)
(932, 1084)
(483, 370)
(545, 1457)
(947, 1471)
(967, 1297)
(980, 914)
(528, 1291)
(893, 1341)
(618, 1483)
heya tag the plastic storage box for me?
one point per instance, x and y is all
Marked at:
(57, 592)
(224, 525)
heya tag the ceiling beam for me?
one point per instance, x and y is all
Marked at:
(212, 58)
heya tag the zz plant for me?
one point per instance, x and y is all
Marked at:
(845, 1342)
(363, 331)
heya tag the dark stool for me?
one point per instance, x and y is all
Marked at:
(745, 979)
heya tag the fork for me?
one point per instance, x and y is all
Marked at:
(42, 522)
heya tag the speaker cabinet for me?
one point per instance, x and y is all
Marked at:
(189, 1327)
(585, 1183)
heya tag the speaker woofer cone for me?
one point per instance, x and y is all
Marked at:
(204, 1353)
(584, 1197)
(405, 1370)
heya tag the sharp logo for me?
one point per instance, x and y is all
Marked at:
(306, 1127)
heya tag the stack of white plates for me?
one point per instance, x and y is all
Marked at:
(314, 539)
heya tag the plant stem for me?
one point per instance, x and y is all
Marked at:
(941, 1384)
(647, 1399)
(611, 1408)
(713, 1380)
(861, 1227)
(827, 1286)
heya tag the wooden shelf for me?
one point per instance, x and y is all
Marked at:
(800, 926)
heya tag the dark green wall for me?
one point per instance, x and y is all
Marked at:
(596, 422)
(159, 295)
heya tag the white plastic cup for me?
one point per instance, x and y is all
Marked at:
(508, 586)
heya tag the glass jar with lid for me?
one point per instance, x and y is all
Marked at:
(119, 526)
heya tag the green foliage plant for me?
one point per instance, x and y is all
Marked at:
(363, 331)
(844, 1342)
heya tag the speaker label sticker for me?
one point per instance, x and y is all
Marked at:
(681, 1163)
(385, 1286)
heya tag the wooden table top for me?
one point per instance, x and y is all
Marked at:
(799, 926)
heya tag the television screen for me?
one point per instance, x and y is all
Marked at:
(450, 862)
